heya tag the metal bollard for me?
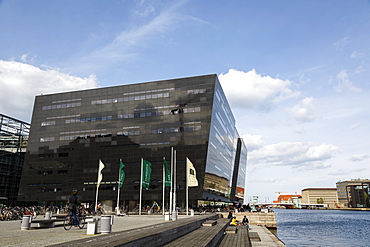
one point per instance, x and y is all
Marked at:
(174, 215)
(91, 226)
(106, 224)
(47, 215)
(166, 216)
(26, 222)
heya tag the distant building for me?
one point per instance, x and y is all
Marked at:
(72, 131)
(13, 142)
(326, 196)
(354, 193)
(255, 199)
(289, 201)
(286, 198)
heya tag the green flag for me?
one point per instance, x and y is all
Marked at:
(121, 174)
(147, 170)
(167, 173)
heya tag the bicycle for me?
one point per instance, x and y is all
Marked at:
(69, 221)
(100, 210)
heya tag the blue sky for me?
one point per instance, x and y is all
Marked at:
(296, 73)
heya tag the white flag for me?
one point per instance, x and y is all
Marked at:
(191, 174)
(100, 174)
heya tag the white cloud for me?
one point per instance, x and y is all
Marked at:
(304, 111)
(21, 82)
(341, 43)
(145, 8)
(356, 54)
(299, 129)
(25, 58)
(252, 90)
(343, 173)
(359, 157)
(252, 141)
(359, 69)
(355, 125)
(344, 84)
(304, 80)
(296, 154)
(265, 180)
(124, 46)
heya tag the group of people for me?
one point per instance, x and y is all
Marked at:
(235, 222)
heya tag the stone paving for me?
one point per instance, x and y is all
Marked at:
(267, 238)
(12, 235)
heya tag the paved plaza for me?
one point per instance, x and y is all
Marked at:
(12, 235)
(123, 227)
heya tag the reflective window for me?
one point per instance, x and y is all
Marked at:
(47, 123)
(69, 105)
(47, 139)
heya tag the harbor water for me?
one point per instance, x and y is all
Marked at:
(299, 227)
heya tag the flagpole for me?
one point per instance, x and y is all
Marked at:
(164, 177)
(187, 187)
(96, 198)
(119, 188)
(171, 188)
(141, 185)
(98, 184)
(174, 185)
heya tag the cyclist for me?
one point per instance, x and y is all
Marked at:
(73, 202)
(99, 209)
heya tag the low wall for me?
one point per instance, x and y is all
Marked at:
(264, 219)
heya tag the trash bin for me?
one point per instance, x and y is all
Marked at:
(166, 216)
(106, 224)
(92, 226)
(26, 222)
(47, 215)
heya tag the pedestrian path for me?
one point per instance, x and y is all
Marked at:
(12, 235)
(152, 230)
(267, 239)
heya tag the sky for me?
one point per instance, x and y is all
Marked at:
(296, 73)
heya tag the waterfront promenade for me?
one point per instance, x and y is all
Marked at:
(12, 235)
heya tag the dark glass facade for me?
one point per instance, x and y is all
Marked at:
(354, 193)
(13, 142)
(358, 195)
(71, 132)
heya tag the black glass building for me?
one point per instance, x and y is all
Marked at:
(72, 131)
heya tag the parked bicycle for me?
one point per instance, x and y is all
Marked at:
(69, 221)
(16, 213)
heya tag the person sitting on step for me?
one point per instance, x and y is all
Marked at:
(234, 222)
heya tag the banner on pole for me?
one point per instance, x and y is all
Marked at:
(147, 170)
(100, 174)
(121, 174)
(191, 174)
(167, 173)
